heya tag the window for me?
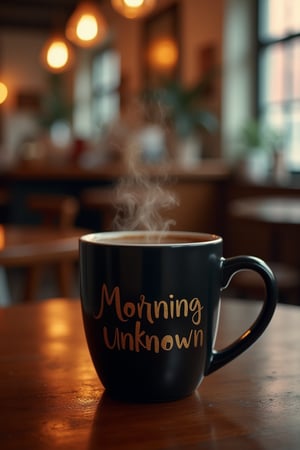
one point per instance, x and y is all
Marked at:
(82, 121)
(105, 88)
(97, 97)
(279, 72)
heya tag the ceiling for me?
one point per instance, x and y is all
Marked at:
(35, 14)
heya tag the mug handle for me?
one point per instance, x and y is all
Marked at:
(229, 267)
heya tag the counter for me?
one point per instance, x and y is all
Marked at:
(199, 189)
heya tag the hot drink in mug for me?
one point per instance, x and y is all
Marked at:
(150, 305)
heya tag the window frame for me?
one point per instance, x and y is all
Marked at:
(286, 104)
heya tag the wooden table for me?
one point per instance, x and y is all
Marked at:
(272, 210)
(103, 200)
(25, 246)
(279, 214)
(279, 217)
(51, 398)
(198, 188)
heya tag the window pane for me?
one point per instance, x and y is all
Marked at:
(105, 84)
(82, 93)
(294, 137)
(272, 24)
(82, 120)
(106, 109)
(279, 72)
(296, 67)
(106, 70)
(271, 74)
(278, 18)
(292, 16)
(274, 117)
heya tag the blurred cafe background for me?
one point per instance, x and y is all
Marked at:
(194, 98)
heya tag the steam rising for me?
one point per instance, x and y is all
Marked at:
(140, 202)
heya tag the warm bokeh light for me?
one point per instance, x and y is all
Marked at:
(163, 54)
(2, 237)
(87, 25)
(3, 92)
(134, 3)
(57, 54)
(134, 9)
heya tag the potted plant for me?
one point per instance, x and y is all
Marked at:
(184, 112)
(255, 150)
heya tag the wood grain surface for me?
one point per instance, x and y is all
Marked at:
(51, 398)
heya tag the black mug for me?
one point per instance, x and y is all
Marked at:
(150, 305)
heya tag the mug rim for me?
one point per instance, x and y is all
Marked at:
(107, 238)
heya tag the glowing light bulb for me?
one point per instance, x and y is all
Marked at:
(134, 3)
(3, 93)
(57, 55)
(133, 9)
(87, 27)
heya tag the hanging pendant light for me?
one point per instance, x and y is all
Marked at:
(133, 9)
(57, 54)
(86, 26)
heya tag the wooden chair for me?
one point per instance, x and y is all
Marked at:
(278, 216)
(111, 206)
(53, 211)
(4, 204)
(102, 200)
